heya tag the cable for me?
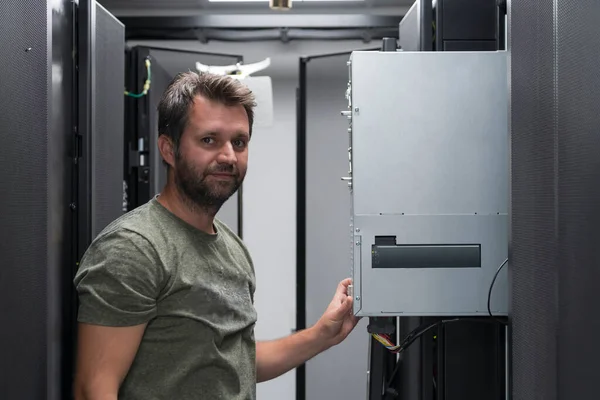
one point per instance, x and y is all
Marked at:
(490, 293)
(412, 336)
(410, 339)
(386, 341)
(146, 83)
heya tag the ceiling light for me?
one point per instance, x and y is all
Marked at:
(274, 4)
(280, 4)
(290, 1)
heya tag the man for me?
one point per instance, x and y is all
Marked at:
(167, 291)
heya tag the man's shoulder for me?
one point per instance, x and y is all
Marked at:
(131, 232)
(120, 274)
(226, 230)
(145, 221)
(229, 236)
(135, 220)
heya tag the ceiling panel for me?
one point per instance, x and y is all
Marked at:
(146, 6)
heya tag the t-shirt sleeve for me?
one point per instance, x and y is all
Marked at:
(119, 280)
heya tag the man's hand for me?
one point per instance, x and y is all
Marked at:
(276, 357)
(338, 320)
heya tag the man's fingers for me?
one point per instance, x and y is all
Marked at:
(344, 307)
(343, 285)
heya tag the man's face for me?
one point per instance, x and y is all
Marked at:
(213, 153)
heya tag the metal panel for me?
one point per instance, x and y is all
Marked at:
(435, 154)
(409, 29)
(62, 256)
(35, 125)
(430, 166)
(555, 196)
(86, 114)
(415, 31)
(107, 137)
(431, 291)
(323, 226)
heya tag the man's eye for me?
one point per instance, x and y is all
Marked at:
(208, 140)
(239, 143)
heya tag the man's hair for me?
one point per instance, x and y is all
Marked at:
(176, 101)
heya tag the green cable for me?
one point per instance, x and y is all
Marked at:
(146, 84)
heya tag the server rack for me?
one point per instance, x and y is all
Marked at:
(460, 359)
(57, 190)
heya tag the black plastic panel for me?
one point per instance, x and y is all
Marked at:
(555, 229)
(469, 25)
(107, 136)
(426, 256)
(475, 350)
(469, 19)
(160, 80)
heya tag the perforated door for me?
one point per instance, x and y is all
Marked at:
(555, 257)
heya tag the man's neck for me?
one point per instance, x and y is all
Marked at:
(196, 216)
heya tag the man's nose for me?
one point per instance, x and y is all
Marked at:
(227, 154)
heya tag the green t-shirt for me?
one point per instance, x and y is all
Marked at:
(196, 292)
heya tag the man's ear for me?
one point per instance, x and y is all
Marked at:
(165, 146)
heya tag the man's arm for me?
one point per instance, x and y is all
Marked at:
(276, 357)
(104, 355)
(118, 282)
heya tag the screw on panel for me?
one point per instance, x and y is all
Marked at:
(357, 298)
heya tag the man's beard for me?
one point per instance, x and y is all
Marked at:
(198, 191)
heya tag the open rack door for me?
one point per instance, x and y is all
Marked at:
(323, 210)
(145, 174)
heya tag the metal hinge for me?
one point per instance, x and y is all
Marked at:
(77, 146)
